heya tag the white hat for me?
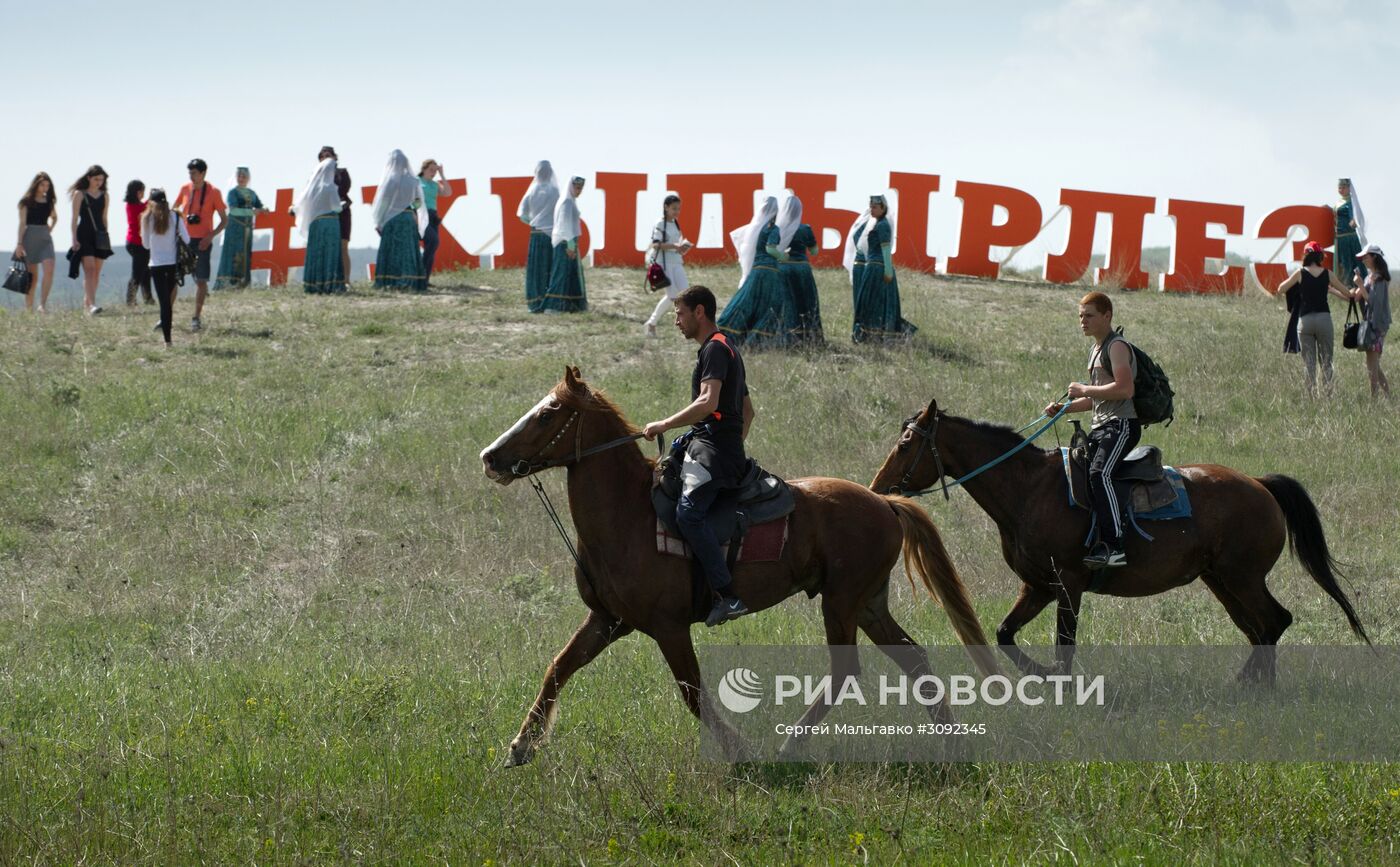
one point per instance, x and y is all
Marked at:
(1370, 249)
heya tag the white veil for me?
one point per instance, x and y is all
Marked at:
(864, 245)
(1356, 215)
(745, 238)
(540, 199)
(567, 224)
(320, 196)
(848, 256)
(789, 218)
(398, 191)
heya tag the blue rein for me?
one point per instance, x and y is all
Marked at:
(1049, 422)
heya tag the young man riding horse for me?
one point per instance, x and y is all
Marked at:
(719, 413)
(1115, 430)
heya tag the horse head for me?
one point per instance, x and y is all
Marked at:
(551, 433)
(914, 464)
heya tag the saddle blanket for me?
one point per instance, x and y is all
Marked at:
(763, 543)
(1178, 506)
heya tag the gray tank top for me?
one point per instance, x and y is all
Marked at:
(1107, 410)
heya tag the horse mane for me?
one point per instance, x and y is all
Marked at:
(585, 399)
(1004, 436)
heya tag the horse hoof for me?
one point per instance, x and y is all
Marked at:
(520, 754)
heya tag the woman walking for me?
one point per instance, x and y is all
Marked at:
(877, 312)
(761, 313)
(1374, 292)
(1315, 338)
(668, 245)
(318, 219)
(91, 242)
(432, 179)
(398, 213)
(236, 260)
(796, 242)
(37, 217)
(567, 292)
(140, 256)
(161, 227)
(536, 210)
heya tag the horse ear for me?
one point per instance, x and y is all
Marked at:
(932, 407)
(572, 380)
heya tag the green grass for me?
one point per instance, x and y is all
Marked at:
(261, 605)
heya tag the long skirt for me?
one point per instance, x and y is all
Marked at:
(1344, 261)
(399, 264)
(802, 287)
(322, 274)
(566, 292)
(761, 313)
(539, 268)
(236, 258)
(876, 315)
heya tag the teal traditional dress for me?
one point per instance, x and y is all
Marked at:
(566, 292)
(762, 313)
(399, 264)
(322, 274)
(1348, 244)
(236, 259)
(539, 269)
(802, 285)
(876, 314)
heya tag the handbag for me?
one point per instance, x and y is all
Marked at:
(186, 257)
(19, 279)
(656, 274)
(101, 240)
(1351, 331)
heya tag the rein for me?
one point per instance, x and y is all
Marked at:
(929, 437)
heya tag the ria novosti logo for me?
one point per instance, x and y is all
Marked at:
(740, 690)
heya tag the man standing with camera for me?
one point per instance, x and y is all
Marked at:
(197, 203)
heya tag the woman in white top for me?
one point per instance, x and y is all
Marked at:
(160, 228)
(668, 245)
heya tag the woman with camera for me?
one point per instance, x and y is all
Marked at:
(163, 229)
(37, 217)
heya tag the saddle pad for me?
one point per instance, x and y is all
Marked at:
(763, 543)
(1177, 506)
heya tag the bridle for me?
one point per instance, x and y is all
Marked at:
(522, 468)
(930, 437)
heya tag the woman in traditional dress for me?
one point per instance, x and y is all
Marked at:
(399, 215)
(566, 293)
(537, 211)
(668, 245)
(877, 315)
(761, 313)
(796, 242)
(1350, 233)
(236, 259)
(853, 257)
(318, 219)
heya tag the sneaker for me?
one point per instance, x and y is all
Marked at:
(195, 324)
(158, 325)
(94, 310)
(728, 608)
(651, 330)
(1105, 557)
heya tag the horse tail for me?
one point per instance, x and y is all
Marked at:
(1307, 543)
(924, 553)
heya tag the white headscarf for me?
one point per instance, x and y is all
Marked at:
(540, 199)
(398, 191)
(321, 196)
(1356, 215)
(848, 256)
(745, 238)
(864, 244)
(567, 223)
(789, 218)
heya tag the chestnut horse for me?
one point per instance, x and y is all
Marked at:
(1235, 534)
(843, 541)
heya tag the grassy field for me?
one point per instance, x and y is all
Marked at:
(262, 606)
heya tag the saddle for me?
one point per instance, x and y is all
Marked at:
(1144, 485)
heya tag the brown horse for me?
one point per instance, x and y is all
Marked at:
(843, 540)
(1235, 534)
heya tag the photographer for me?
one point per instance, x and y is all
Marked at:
(197, 204)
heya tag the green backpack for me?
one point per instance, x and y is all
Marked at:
(1152, 391)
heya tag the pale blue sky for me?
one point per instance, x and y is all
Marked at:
(1233, 102)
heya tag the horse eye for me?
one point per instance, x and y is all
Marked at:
(546, 415)
(903, 445)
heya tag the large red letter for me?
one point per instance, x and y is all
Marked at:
(812, 190)
(911, 223)
(283, 256)
(979, 233)
(736, 200)
(1192, 247)
(515, 235)
(1321, 227)
(1124, 265)
(619, 248)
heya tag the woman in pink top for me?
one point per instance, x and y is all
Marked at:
(140, 256)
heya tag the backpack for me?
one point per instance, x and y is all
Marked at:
(1152, 391)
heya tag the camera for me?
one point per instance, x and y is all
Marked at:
(192, 220)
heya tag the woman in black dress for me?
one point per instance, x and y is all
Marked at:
(91, 242)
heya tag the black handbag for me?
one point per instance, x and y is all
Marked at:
(101, 239)
(1351, 331)
(19, 279)
(186, 257)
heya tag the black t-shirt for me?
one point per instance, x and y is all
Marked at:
(718, 359)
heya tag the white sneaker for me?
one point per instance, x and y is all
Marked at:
(195, 324)
(94, 310)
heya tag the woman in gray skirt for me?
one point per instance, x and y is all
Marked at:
(37, 216)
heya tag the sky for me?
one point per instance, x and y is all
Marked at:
(1262, 104)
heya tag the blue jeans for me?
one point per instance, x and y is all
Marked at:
(692, 510)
